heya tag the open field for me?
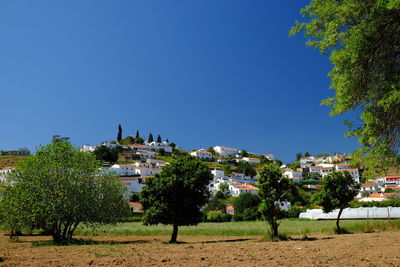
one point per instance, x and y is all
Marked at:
(361, 249)
(252, 228)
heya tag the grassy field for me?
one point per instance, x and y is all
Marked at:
(8, 161)
(253, 228)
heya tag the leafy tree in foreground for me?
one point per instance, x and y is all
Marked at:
(246, 206)
(273, 188)
(119, 136)
(57, 189)
(363, 41)
(176, 194)
(338, 189)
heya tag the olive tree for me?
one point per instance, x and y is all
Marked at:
(176, 195)
(57, 189)
(338, 189)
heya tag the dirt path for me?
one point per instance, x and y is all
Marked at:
(367, 249)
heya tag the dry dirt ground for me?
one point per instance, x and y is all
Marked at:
(365, 249)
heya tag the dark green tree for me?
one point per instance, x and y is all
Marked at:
(338, 189)
(137, 134)
(59, 188)
(244, 153)
(246, 168)
(119, 136)
(273, 188)
(246, 206)
(107, 154)
(159, 140)
(176, 194)
(307, 154)
(363, 40)
(298, 156)
(150, 139)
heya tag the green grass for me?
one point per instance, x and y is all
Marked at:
(8, 161)
(254, 228)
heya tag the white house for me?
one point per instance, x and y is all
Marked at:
(157, 163)
(144, 155)
(143, 164)
(147, 171)
(157, 145)
(315, 169)
(87, 148)
(218, 173)
(326, 171)
(392, 181)
(132, 184)
(202, 154)
(139, 147)
(269, 156)
(239, 189)
(296, 176)
(251, 160)
(354, 173)
(122, 170)
(226, 151)
(342, 166)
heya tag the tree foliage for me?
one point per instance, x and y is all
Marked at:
(159, 140)
(338, 189)
(273, 188)
(57, 189)
(246, 168)
(176, 194)
(246, 206)
(150, 139)
(107, 154)
(362, 38)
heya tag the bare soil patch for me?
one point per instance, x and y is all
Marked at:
(364, 249)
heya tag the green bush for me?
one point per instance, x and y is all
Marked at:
(218, 216)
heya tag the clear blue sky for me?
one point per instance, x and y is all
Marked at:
(201, 73)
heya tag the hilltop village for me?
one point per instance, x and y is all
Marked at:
(132, 161)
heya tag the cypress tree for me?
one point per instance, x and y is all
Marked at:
(159, 139)
(119, 136)
(137, 134)
(150, 139)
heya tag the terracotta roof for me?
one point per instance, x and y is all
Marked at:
(368, 184)
(230, 207)
(343, 164)
(394, 187)
(375, 195)
(135, 203)
(351, 170)
(392, 177)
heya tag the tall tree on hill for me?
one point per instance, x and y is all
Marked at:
(159, 139)
(363, 41)
(150, 139)
(137, 134)
(176, 194)
(307, 154)
(119, 136)
(298, 156)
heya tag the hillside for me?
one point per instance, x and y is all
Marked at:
(8, 161)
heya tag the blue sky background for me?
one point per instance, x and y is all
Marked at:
(201, 73)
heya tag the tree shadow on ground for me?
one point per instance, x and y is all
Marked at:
(213, 241)
(87, 242)
(307, 238)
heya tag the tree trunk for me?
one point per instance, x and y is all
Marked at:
(338, 219)
(174, 233)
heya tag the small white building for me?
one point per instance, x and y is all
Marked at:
(202, 154)
(354, 173)
(218, 173)
(251, 160)
(226, 151)
(269, 156)
(239, 189)
(147, 171)
(143, 164)
(296, 176)
(157, 145)
(392, 181)
(132, 184)
(326, 171)
(315, 169)
(157, 163)
(144, 155)
(122, 170)
(87, 148)
(342, 167)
